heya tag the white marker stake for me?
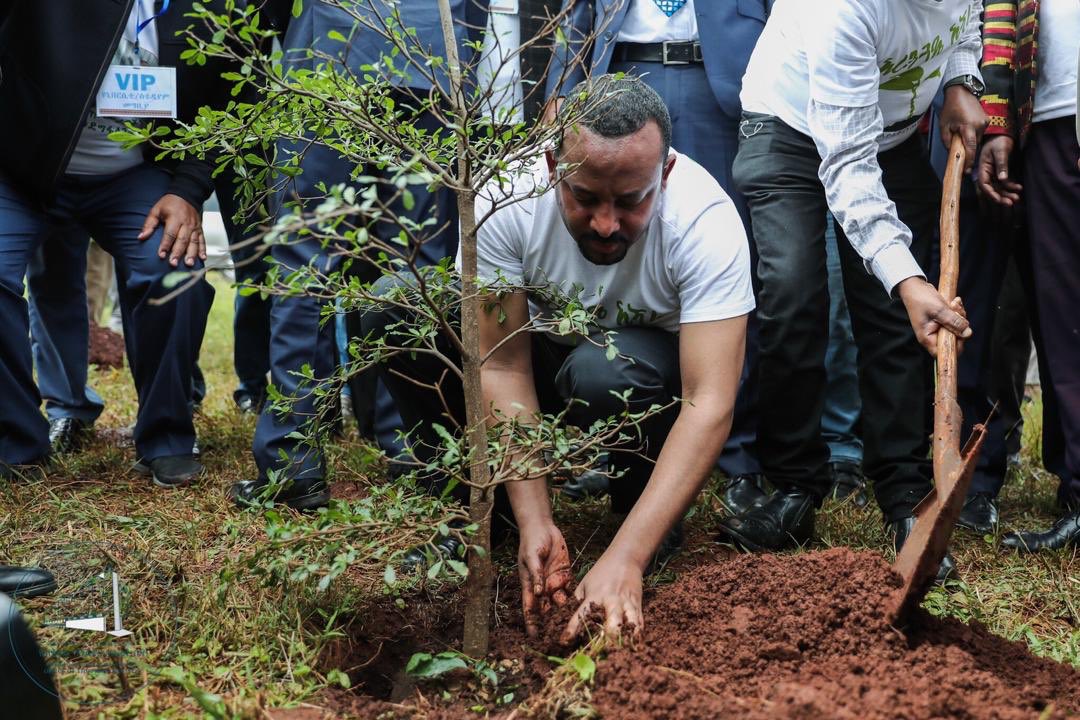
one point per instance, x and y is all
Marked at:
(118, 627)
(93, 623)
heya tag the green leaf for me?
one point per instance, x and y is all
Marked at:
(584, 665)
(427, 666)
(335, 35)
(174, 278)
(338, 677)
(297, 7)
(459, 567)
(434, 570)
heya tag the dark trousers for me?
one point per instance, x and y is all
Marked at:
(1052, 190)
(251, 313)
(298, 335)
(59, 324)
(777, 170)
(59, 330)
(647, 366)
(162, 340)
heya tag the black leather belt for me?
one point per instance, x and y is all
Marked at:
(669, 52)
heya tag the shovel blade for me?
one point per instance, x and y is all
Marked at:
(918, 561)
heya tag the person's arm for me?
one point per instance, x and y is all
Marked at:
(710, 363)
(846, 139)
(508, 388)
(992, 178)
(962, 113)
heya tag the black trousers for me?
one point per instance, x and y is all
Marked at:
(777, 170)
(1052, 189)
(251, 313)
(647, 366)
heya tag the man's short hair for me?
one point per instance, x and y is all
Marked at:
(614, 106)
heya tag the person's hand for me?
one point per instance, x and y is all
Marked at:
(929, 313)
(962, 113)
(544, 569)
(992, 174)
(183, 234)
(613, 585)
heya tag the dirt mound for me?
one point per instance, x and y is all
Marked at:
(750, 636)
(804, 636)
(106, 347)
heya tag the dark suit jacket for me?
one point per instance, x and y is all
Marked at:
(310, 30)
(727, 30)
(53, 56)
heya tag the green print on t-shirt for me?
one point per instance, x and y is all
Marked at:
(904, 75)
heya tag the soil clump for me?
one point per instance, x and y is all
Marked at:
(106, 347)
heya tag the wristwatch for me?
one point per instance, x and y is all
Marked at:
(971, 83)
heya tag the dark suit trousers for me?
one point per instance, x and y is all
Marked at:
(1052, 189)
(777, 170)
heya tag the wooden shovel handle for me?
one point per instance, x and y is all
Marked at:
(947, 418)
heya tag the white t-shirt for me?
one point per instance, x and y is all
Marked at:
(856, 53)
(691, 265)
(1059, 42)
(95, 153)
(644, 22)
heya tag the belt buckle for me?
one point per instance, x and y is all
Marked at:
(665, 49)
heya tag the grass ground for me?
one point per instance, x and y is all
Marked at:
(215, 635)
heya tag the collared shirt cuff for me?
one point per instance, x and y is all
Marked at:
(962, 63)
(893, 264)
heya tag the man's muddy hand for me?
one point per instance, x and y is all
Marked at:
(613, 586)
(544, 569)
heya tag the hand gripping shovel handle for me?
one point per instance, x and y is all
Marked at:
(918, 561)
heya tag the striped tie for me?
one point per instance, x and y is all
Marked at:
(669, 7)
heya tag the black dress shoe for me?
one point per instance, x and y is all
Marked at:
(980, 513)
(67, 434)
(591, 483)
(170, 471)
(418, 558)
(307, 494)
(669, 547)
(848, 482)
(25, 582)
(784, 520)
(900, 529)
(1064, 533)
(744, 492)
(247, 403)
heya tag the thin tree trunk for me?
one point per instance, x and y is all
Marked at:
(478, 585)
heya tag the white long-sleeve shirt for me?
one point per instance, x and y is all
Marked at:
(856, 76)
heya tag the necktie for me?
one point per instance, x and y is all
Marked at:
(669, 7)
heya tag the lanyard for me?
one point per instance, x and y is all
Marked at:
(141, 25)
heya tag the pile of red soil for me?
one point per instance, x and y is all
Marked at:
(768, 636)
(805, 636)
(106, 347)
